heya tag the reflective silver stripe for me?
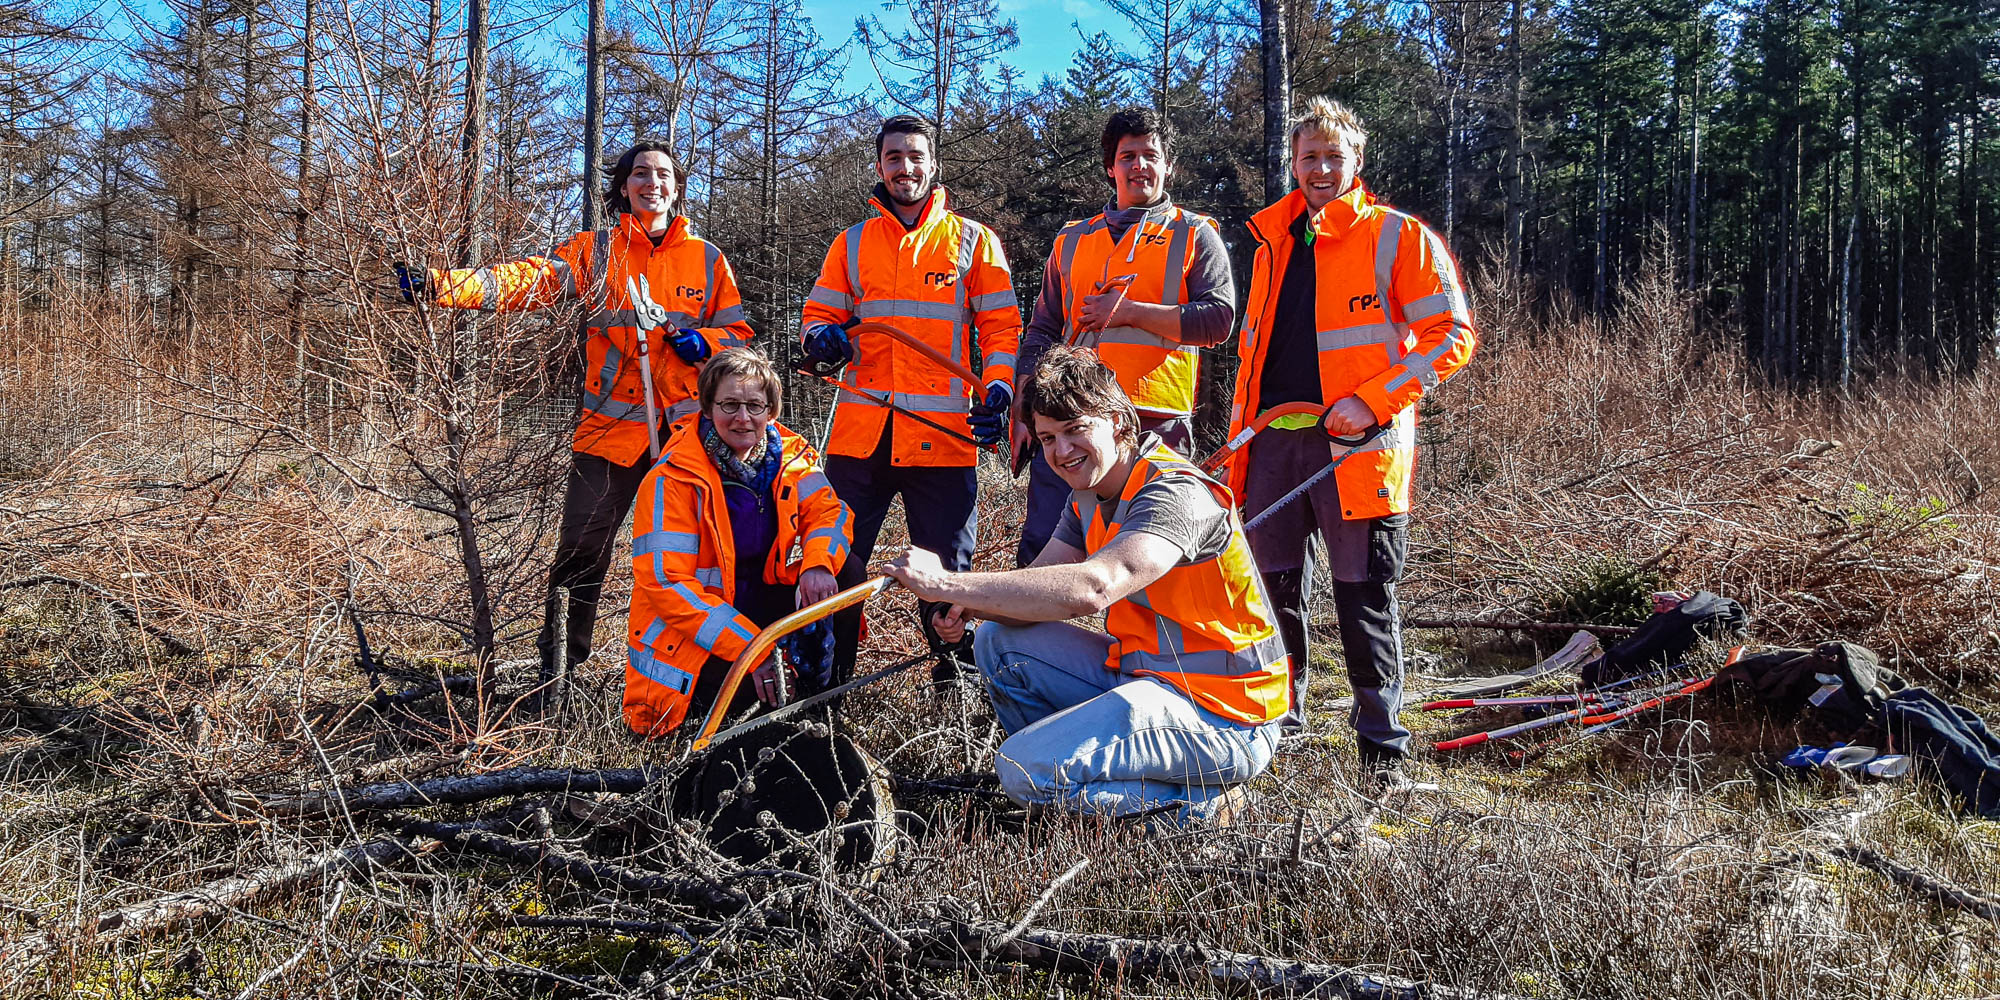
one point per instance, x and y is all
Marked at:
(600, 267)
(968, 244)
(661, 540)
(657, 670)
(489, 289)
(732, 340)
(853, 236)
(710, 255)
(561, 269)
(1177, 256)
(1212, 662)
(708, 576)
(1135, 336)
(1423, 367)
(914, 402)
(607, 376)
(810, 484)
(605, 319)
(719, 619)
(829, 298)
(1367, 335)
(1070, 236)
(910, 309)
(728, 317)
(612, 409)
(681, 409)
(995, 300)
(998, 358)
(1431, 305)
(1385, 267)
(835, 535)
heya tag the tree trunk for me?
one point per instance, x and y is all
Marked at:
(1517, 143)
(593, 117)
(1277, 100)
(299, 212)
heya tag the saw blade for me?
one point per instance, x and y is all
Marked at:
(779, 715)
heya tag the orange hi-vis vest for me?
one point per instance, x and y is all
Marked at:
(1206, 628)
(1156, 255)
(939, 280)
(687, 276)
(1392, 321)
(684, 567)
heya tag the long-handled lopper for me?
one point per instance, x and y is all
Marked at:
(825, 373)
(649, 316)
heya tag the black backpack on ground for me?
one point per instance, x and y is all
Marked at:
(1666, 637)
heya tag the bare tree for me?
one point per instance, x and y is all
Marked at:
(924, 61)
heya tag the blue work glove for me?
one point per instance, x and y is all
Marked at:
(810, 650)
(828, 343)
(412, 281)
(989, 419)
(688, 345)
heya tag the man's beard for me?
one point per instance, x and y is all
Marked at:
(923, 193)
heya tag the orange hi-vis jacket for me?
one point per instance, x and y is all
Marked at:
(938, 280)
(1205, 628)
(1392, 322)
(688, 277)
(1156, 255)
(684, 567)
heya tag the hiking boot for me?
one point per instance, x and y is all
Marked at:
(1230, 808)
(1382, 772)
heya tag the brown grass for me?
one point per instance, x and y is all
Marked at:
(1656, 861)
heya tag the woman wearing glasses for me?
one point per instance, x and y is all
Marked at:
(712, 534)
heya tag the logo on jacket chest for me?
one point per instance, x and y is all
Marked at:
(1362, 302)
(688, 292)
(940, 279)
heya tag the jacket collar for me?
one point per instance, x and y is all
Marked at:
(934, 208)
(1335, 220)
(685, 456)
(677, 230)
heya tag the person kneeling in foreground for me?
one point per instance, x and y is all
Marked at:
(733, 493)
(1180, 699)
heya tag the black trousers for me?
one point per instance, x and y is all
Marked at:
(597, 498)
(765, 603)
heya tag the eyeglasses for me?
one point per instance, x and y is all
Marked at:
(734, 407)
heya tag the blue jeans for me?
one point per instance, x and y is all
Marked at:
(1100, 741)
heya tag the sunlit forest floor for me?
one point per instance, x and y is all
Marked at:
(1572, 468)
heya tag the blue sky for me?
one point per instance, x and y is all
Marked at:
(1048, 39)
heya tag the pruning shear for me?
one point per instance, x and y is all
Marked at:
(647, 316)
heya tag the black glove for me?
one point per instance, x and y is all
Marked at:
(989, 419)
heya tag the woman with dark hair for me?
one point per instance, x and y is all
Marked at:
(647, 275)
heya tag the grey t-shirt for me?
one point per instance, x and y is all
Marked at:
(1179, 509)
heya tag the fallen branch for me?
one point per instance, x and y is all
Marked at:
(1927, 886)
(1608, 631)
(962, 941)
(173, 643)
(195, 905)
(440, 791)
